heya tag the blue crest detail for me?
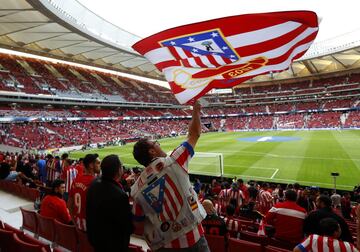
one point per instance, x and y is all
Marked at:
(205, 43)
(154, 194)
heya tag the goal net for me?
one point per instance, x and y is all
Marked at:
(207, 163)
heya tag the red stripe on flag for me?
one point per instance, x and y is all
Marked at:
(213, 61)
(199, 62)
(174, 52)
(165, 64)
(190, 238)
(270, 44)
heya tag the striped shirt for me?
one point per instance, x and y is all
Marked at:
(265, 201)
(317, 243)
(228, 194)
(232, 224)
(182, 156)
(68, 175)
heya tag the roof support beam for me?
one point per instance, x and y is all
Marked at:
(39, 40)
(338, 61)
(76, 43)
(21, 30)
(91, 50)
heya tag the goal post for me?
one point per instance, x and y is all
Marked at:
(207, 163)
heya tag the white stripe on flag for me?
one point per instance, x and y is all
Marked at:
(219, 60)
(192, 62)
(181, 52)
(281, 65)
(206, 61)
(159, 55)
(261, 35)
(277, 52)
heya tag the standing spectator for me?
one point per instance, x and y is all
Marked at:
(41, 164)
(80, 167)
(287, 218)
(312, 221)
(328, 240)
(108, 213)
(68, 174)
(53, 205)
(79, 188)
(165, 204)
(335, 199)
(244, 189)
(346, 206)
(213, 224)
(265, 199)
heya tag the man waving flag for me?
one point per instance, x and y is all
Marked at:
(225, 52)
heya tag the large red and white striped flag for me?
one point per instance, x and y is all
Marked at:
(225, 52)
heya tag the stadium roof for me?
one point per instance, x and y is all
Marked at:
(67, 30)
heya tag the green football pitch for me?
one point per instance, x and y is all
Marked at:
(307, 157)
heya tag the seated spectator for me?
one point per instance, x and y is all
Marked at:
(213, 224)
(312, 221)
(287, 218)
(329, 240)
(232, 224)
(53, 205)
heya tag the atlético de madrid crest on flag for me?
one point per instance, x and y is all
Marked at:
(225, 52)
(210, 47)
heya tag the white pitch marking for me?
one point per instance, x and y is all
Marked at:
(276, 171)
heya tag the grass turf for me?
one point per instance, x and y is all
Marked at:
(308, 161)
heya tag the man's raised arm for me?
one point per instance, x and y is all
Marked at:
(195, 125)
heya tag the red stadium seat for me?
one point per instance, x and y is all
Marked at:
(281, 244)
(6, 240)
(29, 239)
(236, 245)
(65, 236)
(13, 229)
(275, 249)
(135, 248)
(22, 246)
(46, 227)
(84, 244)
(253, 237)
(29, 220)
(216, 243)
(32, 194)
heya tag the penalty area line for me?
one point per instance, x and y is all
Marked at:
(276, 171)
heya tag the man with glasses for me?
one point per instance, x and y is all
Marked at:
(165, 205)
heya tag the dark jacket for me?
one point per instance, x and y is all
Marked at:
(312, 223)
(108, 216)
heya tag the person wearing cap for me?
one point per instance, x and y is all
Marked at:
(53, 205)
(108, 212)
(79, 188)
(213, 224)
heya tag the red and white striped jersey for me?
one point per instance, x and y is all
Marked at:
(316, 243)
(265, 201)
(288, 219)
(50, 170)
(226, 195)
(161, 195)
(232, 224)
(68, 175)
